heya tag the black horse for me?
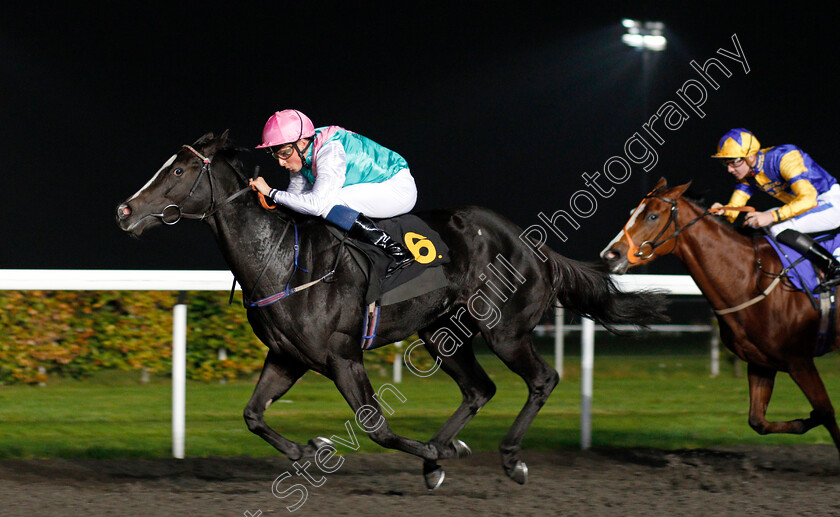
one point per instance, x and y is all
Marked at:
(320, 328)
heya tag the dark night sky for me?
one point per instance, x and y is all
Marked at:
(501, 107)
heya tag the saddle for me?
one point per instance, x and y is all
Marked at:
(807, 277)
(420, 277)
(804, 275)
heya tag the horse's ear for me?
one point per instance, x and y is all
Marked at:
(679, 191)
(661, 184)
(204, 139)
(211, 143)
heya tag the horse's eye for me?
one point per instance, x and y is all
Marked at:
(178, 172)
(653, 217)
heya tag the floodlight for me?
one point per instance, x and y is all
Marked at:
(644, 35)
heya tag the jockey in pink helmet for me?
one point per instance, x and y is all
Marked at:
(340, 176)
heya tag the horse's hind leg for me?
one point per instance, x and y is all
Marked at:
(808, 379)
(278, 375)
(476, 387)
(521, 357)
(476, 390)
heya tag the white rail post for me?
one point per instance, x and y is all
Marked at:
(587, 361)
(558, 340)
(714, 344)
(179, 375)
(398, 359)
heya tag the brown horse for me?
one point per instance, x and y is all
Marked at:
(776, 333)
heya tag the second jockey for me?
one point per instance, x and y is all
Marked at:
(811, 196)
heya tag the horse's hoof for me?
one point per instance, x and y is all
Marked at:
(311, 448)
(518, 473)
(433, 475)
(462, 450)
(320, 441)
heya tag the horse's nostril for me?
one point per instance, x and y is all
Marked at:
(123, 211)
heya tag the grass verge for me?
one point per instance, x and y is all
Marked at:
(664, 401)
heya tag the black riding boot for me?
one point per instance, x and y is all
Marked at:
(366, 230)
(815, 253)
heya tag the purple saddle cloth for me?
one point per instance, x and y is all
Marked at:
(803, 273)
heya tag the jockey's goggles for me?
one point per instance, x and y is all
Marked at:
(735, 162)
(283, 152)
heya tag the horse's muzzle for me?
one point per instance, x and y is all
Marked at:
(123, 214)
(127, 222)
(616, 260)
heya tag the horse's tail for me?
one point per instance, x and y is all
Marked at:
(587, 289)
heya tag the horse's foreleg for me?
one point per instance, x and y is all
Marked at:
(352, 381)
(805, 375)
(762, 381)
(275, 380)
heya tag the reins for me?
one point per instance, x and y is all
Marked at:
(636, 251)
(276, 297)
(213, 208)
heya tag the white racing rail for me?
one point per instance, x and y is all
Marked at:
(174, 280)
(133, 280)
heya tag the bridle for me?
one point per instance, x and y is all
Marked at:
(172, 214)
(214, 207)
(653, 244)
(672, 218)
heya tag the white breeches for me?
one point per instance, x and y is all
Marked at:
(390, 198)
(823, 217)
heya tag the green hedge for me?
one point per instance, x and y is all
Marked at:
(75, 333)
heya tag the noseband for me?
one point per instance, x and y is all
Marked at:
(175, 209)
(655, 242)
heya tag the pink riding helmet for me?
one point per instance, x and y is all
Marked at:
(285, 127)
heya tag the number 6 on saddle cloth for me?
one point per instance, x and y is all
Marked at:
(422, 276)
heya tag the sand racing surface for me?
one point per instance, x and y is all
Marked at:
(789, 480)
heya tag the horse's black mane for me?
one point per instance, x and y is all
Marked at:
(698, 197)
(226, 149)
(229, 151)
(225, 143)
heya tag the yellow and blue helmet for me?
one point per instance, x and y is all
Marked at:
(737, 143)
